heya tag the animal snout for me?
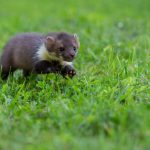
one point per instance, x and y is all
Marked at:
(72, 55)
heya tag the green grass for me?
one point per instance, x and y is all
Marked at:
(106, 106)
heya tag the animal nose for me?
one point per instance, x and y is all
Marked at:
(72, 55)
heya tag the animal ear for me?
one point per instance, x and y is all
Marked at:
(77, 39)
(50, 39)
(75, 36)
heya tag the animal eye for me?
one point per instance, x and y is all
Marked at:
(74, 48)
(61, 49)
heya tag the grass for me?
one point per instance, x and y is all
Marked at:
(106, 106)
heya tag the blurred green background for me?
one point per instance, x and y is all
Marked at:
(106, 106)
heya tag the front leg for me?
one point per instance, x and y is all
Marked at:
(45, 67)
(68, 71)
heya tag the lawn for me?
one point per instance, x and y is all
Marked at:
(107, 105)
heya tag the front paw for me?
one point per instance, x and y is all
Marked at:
(68, 71)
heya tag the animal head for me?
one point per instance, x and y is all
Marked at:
(62, 46)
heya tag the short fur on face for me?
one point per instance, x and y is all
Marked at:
(62, 45)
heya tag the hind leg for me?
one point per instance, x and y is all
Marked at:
(4, 75)
(26, 73)
(6, 72)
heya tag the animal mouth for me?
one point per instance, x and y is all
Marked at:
(69, 59)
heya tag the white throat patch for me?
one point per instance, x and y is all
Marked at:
(43, 54)
(66, 63)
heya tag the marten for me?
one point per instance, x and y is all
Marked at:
(40, 54)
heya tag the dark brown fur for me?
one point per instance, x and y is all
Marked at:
(20, 53)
